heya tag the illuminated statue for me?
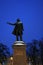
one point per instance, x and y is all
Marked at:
(18, 30)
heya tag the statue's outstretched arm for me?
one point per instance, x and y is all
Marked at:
(10, 23)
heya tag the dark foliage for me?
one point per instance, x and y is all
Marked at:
(4, 52)
(35, 52)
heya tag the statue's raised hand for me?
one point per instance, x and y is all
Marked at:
(8, 23)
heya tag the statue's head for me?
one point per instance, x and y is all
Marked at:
(18, 20)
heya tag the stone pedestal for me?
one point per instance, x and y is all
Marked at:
(19, 53)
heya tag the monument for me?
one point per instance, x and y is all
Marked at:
(19, 47)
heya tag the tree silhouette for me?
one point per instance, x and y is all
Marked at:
(4, 53)
(33, 51)
(41, 49)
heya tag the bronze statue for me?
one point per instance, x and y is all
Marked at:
(18, 30)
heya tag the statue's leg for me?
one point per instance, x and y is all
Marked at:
(20, 37)
(17, 37)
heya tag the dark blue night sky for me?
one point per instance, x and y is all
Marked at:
(31, 14)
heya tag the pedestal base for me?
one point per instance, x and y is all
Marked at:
(19, 55)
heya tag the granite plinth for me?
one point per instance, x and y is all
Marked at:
(19, 53)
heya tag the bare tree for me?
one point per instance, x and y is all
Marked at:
(4, 53)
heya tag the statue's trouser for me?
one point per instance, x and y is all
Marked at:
(20, 37)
